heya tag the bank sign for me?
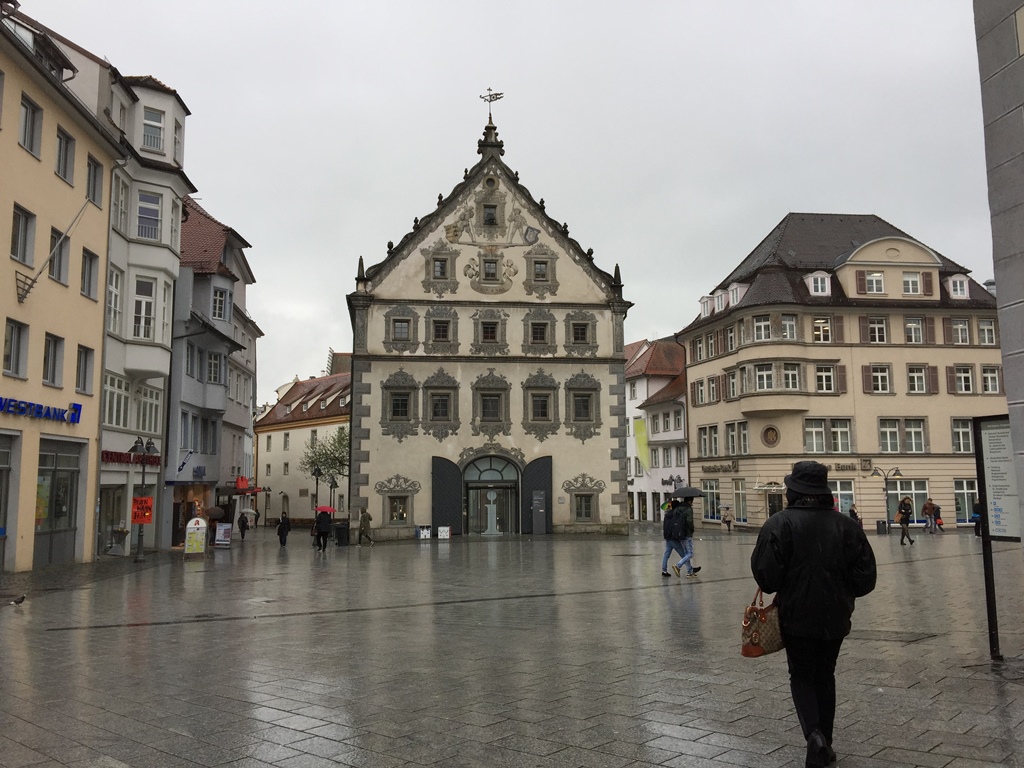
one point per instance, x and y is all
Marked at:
(70, 415)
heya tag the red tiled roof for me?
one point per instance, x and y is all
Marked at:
(667, 394)
(332, 389)
(203, 240)
(664, 358)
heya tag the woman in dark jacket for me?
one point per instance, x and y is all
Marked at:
(283, 527)
(906, 510)
(817, 562)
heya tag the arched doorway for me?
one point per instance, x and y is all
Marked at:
(492, 496)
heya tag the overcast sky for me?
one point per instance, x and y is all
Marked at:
(671, 136)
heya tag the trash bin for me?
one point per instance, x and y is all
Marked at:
(341, 533)
(881, 527)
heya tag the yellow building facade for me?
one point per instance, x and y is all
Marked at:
(55, 169)
(843, 340)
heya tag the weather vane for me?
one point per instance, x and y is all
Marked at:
(490, 98)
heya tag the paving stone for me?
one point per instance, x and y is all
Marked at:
(552, 652)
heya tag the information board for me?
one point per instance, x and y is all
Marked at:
(1000, 477)
(222, 537)
(195, 537)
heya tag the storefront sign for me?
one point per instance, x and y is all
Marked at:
(732, 466)
(142, 510)
(118, 457)
(70, 415)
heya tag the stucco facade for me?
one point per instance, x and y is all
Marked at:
(487, 371)
(56, 160)
(843, 339)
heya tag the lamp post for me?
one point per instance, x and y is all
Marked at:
(885, 474)
(334, 487)
(144, 449)
(316, 494)
(266, 504)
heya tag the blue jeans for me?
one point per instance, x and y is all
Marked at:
(671, 544)
(688, 547)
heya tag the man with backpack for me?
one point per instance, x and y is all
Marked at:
(678, 532)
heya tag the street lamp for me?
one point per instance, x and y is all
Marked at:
(886, 474)
(144, 449)
(266, 504)
(316, 495)
(334, 487)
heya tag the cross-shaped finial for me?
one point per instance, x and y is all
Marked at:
(490, 98)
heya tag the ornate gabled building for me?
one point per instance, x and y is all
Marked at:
(487, 371)
(841, 338)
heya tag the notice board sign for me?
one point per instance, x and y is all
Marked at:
(195, 536)
(222, 536)
(142, 510)
(997, 475)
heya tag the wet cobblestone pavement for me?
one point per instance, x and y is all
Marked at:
(518, 653)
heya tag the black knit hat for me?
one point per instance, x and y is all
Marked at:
(809, 478)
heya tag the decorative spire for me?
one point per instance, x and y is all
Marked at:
(489, 145)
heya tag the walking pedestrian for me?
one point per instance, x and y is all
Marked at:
(365, 518)
(818, 563)
(976, 518)
(903, 515)
(672, 528)
(727, 517)
(284, 526)
(938, 519)
(243, 525)
(685, 509)
(928, 513)
(323, 530)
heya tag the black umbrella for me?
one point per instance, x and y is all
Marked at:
(214, 513)
(686, 493)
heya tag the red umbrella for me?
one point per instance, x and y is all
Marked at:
(332, 510)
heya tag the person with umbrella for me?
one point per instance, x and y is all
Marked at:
(323, 527)
(682, 505)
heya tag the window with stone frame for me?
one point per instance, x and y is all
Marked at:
(583, 406)
(442, 331)
(440, 268)
(581, 334)
(400, 414)
(539, 332)
(540, 405)
(398, 496)
(441, 405)
(541, 276)
(489, 332)
(584, 496)
(491, 407)
(401, 329)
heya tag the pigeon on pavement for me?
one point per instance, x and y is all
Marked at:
(18, 600)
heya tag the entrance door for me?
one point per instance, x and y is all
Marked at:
(492, 510)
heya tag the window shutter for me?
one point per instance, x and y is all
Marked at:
(841, 379)
(720, 341)
(864, 333)
(865, 375)
(926, 283)
(693, 392)
(837, 333)
(862, 281)
(947, 330)
(929, 330)
(933, 379)
(951, 379)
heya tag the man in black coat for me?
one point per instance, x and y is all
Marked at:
(818, 562)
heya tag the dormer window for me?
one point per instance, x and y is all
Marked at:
(819, 285)
(305, 407)
(957, 287)
(490, 215)
(719, 301)
(705, 306)
(287, 410)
